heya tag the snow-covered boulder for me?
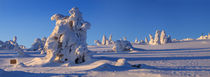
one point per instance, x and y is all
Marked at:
(121, 45)
(67, 42)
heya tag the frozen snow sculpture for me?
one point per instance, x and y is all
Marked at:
(121, 45)
(67, 42)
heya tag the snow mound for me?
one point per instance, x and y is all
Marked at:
(122, 62)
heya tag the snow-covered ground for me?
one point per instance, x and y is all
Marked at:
(180, 59)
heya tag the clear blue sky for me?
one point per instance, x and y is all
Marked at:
(30, 19)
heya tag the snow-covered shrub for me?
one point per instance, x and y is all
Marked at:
(67, 42)
(121, 45)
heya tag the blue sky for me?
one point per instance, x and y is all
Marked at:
(30, 19)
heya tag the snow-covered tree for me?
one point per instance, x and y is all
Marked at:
(169, 40)
(97, 42)
(136, 40)
(124, 38)
(67, 42)
(104, 40)
(15, 39)
(208, 35)
(110, 37)
(151, 39)
(36, 45)
(121, 45)
(142, 42)
(157, 38)
(107, 42)
(146, 40)
(163, 38)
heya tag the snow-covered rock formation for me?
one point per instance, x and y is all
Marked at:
(121, 45)
(67, 42)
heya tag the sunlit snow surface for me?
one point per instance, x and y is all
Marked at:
(180, 59)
